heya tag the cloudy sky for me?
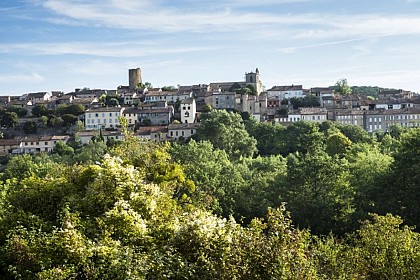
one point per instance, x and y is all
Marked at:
(65, 44)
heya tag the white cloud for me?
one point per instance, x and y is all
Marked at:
(19, 78)
(121, 49)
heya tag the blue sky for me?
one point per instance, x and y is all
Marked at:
(65, 44)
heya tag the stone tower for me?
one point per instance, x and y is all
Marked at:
(254, 79)
(134, 78)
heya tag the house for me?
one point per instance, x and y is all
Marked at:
(286, 92)
(251, 78)
(221, 100)
(381, 120)
(38, 97)
(394, 94)
(156, 116)
(349, 117)
(169, 96)
(7, 146)
(40, 144)
(86, 136)
(195, 89)
(308, 114)
(188, 110)
(153, 133)
(103, 117)
(254, 105)
(89, 93)
(184, 130)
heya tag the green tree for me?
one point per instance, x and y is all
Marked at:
(10, 120)
(62, 149)
(337, 144)
(342, 87)
(43, 120)
(226, 131)
(30, 127)
(402, 192)
(270, 136)
(234, 87)
(39, 110)
(69, 119)
(317, 192)
(21, 112)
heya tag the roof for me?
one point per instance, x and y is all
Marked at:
(175, 126)
(286, 88)
(188, 101)
(147, 130)
(104, 109)
(312, 110)
(45, 138)
(394, 111)
(9, 142)
(89, 133)
(147, 110)
(36, 94)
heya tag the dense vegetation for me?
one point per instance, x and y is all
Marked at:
(243, 200)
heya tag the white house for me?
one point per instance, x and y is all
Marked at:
(39, 144)
(184, 130)
(103, 117)
(308, 114)
(188, 110)
(286, 92)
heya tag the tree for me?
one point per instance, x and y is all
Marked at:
(252, 89)
(21, 112)
(69, 119)
(270, 137)
(43, 120)
(113, 102)
(30, 127)
(62, 149)
(73, 109)
(54, 121)
(342, 87)
(317, 192)
(234, 87)
(10, 120)
(168, 88)
(39, 110)
(401, 193)
(337, 144)
(226, 131)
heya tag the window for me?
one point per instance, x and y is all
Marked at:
(46, 143)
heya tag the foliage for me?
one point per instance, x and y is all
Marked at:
(342, 87)
(145, 210)
(30, 127)
(226, 131)
(21, 112)
(168, 88)
(10, 120)
(307, 101)
(40, 110)
(72, 109)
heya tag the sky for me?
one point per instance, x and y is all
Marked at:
(48, 45)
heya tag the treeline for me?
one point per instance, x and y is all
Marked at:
(244, 200)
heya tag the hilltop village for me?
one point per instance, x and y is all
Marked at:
(35, 122)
